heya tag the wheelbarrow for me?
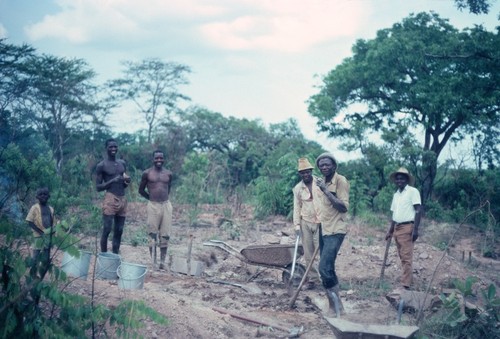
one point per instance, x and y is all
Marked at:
(278, 256)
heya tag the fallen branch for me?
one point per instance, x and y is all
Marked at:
(292, 331)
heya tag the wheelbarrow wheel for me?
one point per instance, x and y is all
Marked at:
(297, 275)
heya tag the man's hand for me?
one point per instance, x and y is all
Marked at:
(321, 184)
(388, 235)
(297, 232)
(414, 235)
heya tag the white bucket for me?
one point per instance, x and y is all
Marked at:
(131, 276)
(77, 267)
(107, 264)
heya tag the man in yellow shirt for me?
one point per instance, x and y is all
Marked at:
(40, 218)
(331, 198)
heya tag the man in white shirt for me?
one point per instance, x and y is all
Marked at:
(406, 215)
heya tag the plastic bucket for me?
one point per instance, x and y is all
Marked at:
(131, 276)
(107, 264)
(76, 267)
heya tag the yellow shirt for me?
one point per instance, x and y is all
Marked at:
(332, 221)
(35, 216)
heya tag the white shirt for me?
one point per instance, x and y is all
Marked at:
(402, 204)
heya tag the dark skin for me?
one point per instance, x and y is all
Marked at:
(110, 176)
(307, 178)
(110, 173)
(327, 167)
(156, 181)
(401, 180)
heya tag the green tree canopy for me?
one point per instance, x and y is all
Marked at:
(422, 79)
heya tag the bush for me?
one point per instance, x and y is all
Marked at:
(34, 303)
(455, 321)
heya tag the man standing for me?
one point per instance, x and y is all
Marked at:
(331, 198)
(158, 180)
(305, 218)
(40, 218)
(111, 177)
(406, 215)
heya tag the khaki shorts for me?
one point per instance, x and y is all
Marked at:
(114, 205)
(160, 220)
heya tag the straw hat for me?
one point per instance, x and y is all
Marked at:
(304, 164)
(402, 170)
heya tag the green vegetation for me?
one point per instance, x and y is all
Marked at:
(456, 320)
(35, 303)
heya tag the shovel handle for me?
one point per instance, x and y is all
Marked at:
(386, 254)
(292, 302)
(294, 258)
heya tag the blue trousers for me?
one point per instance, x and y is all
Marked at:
(329, 246)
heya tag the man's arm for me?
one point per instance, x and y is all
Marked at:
(297, 206)
(35, 228)
(143, 185)
(336, 203)
(390, 231)
(99, 182)
(126, 178)
(416, 222)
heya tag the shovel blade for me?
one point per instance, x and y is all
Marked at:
(181, 265)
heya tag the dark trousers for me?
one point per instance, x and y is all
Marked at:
(119, 223)
(329, 246)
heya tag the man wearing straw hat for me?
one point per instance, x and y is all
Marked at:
(305, 218)
(406, 215)
(331, 198)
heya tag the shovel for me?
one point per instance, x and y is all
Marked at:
(290, 282)
(153, 253)
(304, 277)
(186, 265)
(387, 246)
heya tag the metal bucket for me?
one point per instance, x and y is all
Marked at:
(131, 276)
(77, 267)
(107, 264)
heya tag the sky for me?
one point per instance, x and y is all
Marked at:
(254, 59)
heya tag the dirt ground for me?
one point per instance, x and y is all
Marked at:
(193, 304)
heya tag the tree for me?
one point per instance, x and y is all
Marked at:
(60, 99)
(13, 83)
(474, 6)
(151, 85)
(422, 79)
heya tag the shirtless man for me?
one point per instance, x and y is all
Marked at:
(158, 180)
(111, 177)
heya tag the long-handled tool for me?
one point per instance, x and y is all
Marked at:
(290, 282)
(188, 260)
(153, 252)
(386, 254)
(304, 277)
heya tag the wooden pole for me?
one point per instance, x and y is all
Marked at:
(292, 302)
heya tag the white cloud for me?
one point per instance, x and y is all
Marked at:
(279, 25)
(287, 25)
(3, 32)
